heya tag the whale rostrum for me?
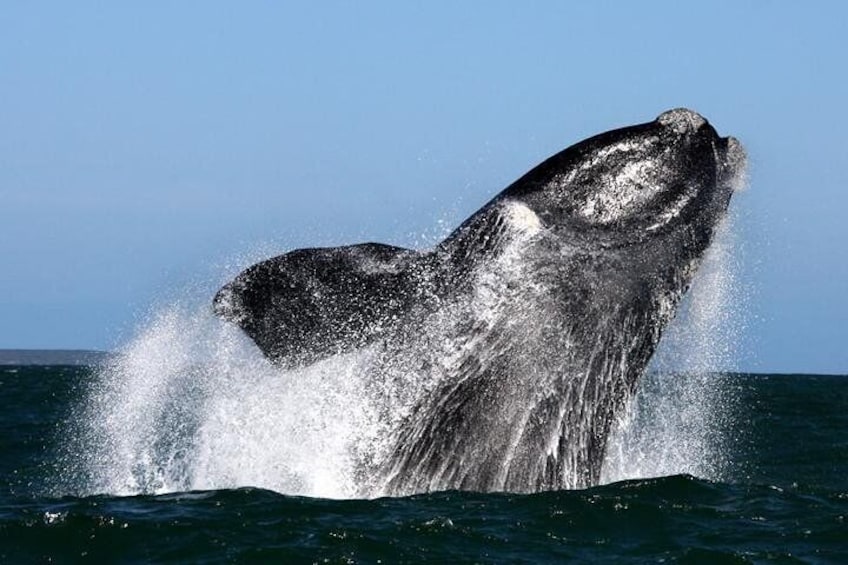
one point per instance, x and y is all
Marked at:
(515, 341)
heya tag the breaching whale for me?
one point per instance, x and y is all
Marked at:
(513, 343)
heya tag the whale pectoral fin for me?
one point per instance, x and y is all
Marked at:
(312, 303)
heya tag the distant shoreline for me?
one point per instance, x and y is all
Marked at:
(23, 357)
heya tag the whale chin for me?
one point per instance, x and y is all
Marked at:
(511, 346)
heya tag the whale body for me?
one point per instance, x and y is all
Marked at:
(513, 343)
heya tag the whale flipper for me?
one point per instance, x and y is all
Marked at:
(308, 304)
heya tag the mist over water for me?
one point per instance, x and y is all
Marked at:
(191, 404)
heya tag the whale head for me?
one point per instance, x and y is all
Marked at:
(633, 184)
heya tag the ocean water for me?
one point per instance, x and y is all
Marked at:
(767, 483)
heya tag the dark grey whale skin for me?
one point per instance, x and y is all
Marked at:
(582, 261)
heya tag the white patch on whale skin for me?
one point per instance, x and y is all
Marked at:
(633, 186)
(522, 218)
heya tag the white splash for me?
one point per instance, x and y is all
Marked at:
(190, 404)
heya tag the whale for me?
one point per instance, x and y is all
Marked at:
(504, 354)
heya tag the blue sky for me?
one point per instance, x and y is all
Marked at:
(152, 147)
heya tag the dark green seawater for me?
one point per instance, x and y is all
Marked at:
(784, 499)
